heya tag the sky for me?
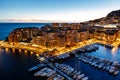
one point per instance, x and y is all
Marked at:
(55, 10)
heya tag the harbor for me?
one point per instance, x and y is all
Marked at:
(79, 64)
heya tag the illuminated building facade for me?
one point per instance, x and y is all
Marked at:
(23, 34)
(64, 34)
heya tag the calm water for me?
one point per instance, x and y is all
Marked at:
(14, 66)
(6, 28)
(107, 53)
(94, 73)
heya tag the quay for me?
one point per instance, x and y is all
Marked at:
(20, 47)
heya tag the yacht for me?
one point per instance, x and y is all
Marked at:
(37, 67)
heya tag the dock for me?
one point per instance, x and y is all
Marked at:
(60, 72)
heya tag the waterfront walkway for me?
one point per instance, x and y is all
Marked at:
(20, 47)
(61, 50)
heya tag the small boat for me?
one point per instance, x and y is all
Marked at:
(45, 72)
(51, 73)
(116, 72)
(107, 68)
(111, 70)
(38, 73)
(58, 77)
(37, 67)
(85, 78)
(95, 65)
(74, 76)
(100, 65)
(104, 67)
(81, 76)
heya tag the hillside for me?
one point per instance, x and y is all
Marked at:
(114, 14)
(112, 18)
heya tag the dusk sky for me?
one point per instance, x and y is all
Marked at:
(55, 10)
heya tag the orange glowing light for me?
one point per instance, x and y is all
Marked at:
(114, 50)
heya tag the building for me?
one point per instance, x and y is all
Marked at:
(23, 34)
(64, 34)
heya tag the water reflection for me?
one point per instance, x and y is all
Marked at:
(107, 53)
(13, 50)
(31, 52)
(37, 54)
(7, 50)
(1, 50)
(20, 50)
(15, 66)
(114, 50)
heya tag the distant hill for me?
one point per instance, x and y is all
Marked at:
(112, 18)
(114, 14)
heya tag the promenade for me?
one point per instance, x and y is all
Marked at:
(60, 50)
(20, 47)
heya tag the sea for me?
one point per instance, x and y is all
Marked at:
(14, 66)
(6, 28)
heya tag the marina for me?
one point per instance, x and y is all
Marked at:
(83, 63)
(100, 63)
(77, 64)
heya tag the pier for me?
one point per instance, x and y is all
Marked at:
(60, 72)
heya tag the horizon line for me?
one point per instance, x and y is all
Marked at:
(39, 21)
